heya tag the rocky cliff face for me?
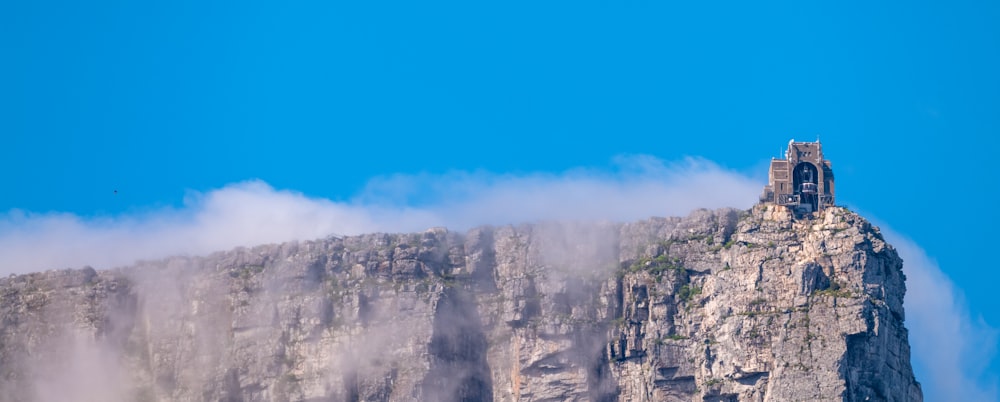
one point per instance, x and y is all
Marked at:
(720, 306)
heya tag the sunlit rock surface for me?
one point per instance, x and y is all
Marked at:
(721, 305)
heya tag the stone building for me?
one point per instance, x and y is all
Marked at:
(803, 180)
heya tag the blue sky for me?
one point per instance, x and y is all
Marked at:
(388, 103)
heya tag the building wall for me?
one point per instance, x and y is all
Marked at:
(780, 178)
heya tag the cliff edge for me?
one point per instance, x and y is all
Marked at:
(722, 305)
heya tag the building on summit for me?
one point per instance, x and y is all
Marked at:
(803, 180)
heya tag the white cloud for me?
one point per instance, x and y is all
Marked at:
(950, 349)
(246, 213)
(251, 213)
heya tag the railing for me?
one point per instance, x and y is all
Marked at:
(787, 199)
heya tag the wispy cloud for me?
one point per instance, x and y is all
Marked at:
(950, 348)
(251, 213)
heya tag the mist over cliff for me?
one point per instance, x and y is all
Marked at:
(723, 305)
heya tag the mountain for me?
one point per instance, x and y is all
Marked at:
(722, 305)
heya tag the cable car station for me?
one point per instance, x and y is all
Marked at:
(802, 181)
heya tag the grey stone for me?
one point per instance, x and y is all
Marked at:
(723, 305)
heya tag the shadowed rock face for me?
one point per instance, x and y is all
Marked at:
(459, 371)
(721, 305)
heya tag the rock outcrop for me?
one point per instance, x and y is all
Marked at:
(723, 305)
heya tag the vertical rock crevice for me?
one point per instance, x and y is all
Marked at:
(459, 371)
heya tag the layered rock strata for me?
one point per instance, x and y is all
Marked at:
(722, 305)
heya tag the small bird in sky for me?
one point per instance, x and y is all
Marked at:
(116, 192)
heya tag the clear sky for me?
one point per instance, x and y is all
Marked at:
(160, 100)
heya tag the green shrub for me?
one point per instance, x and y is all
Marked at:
(686, 293)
